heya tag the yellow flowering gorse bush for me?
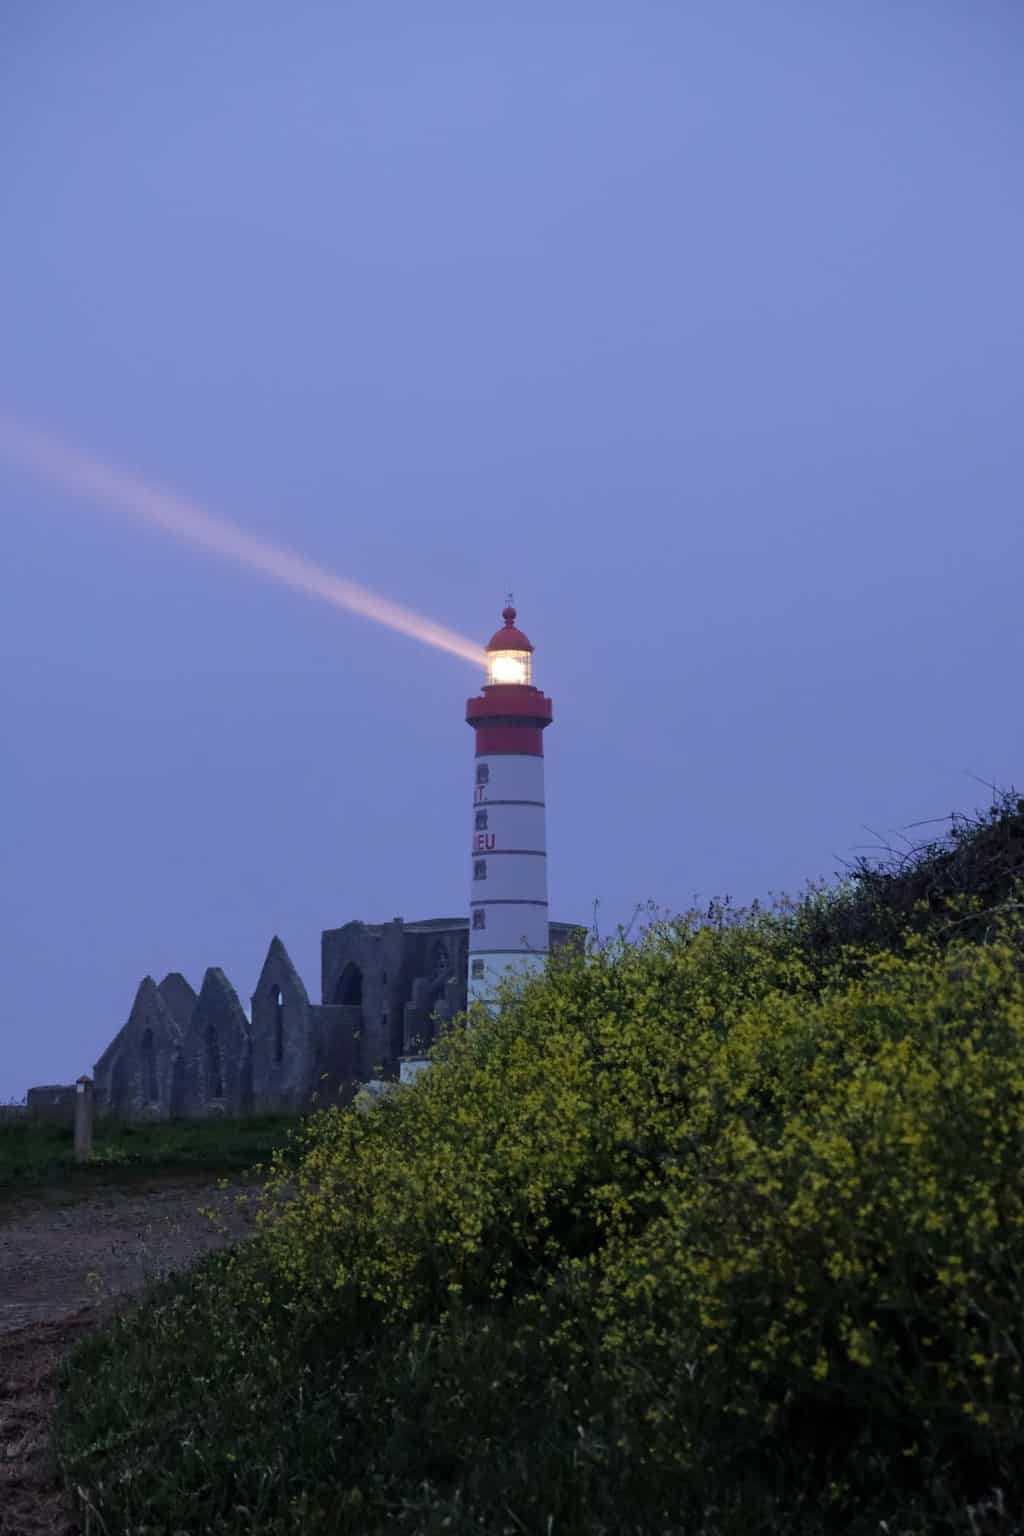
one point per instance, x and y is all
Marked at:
(690, 1153)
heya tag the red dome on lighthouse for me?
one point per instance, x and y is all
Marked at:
(510, 713)
(509, 638)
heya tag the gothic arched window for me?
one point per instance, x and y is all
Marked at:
(214, 1076)
(350, 985)
(278, 1001)
(149, 1083)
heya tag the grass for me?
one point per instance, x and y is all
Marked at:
(35, 1155)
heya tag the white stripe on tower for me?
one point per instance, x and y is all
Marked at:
(508, 884)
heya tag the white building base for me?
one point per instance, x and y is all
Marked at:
(410, 1067)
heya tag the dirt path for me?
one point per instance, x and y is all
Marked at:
(64, 1267)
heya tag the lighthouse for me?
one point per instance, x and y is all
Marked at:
(508, 904)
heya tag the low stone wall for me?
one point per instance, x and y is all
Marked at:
(13, 1112)
(54, 1102)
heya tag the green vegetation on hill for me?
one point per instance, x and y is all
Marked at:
(949, 887)
(720, 1231)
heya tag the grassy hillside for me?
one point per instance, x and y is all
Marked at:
(718, 1231)
(33, 1153)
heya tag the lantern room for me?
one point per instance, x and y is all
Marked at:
(509, 653)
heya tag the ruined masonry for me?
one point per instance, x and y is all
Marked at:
(386, 989)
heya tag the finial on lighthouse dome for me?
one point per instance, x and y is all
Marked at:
(509, 652)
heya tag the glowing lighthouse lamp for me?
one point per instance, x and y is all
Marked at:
(508, 925)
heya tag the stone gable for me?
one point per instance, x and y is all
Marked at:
(138, 1075)
(216, 1052)
(283, 1035)
(179, 997)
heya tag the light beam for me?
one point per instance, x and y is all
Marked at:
(54, 460)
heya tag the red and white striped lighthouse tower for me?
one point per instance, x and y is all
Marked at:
(508, 924)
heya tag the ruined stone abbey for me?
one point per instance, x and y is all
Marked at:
(386, 989)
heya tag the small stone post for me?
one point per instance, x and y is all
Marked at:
(85, 1105)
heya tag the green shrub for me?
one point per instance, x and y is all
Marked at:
(954, 886)
(698, 1235)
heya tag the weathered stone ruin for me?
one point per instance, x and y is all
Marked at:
(386, 990)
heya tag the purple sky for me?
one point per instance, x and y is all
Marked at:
(699, 325)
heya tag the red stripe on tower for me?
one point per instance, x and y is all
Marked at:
(492, 739)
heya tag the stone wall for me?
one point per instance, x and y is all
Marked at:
(361, 965)
(54, 1103)
(336, 1029)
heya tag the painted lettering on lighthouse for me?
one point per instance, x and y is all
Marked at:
(483, 842)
